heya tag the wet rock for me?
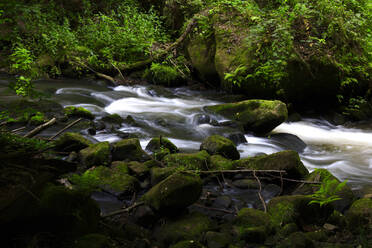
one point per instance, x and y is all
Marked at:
(97, 154)
(73, 111)
(175, 192)
(73, 156)
(359, 216)
(190, 161)
(323, 176)
(113, 119)
(186, 227)
(99, 125)
(144, 215)
(130, 121)
(217, 144)
(158, 143)
(289, 141)
(199, 119)
(237, 138)
(259, 116)
(217, 240)
(159, 174)
(285, 160)
(139, 170)
(223, 201)
(246, 184)
(129, 149)
(217, 162)
(252, 225)
(94, 240)
(71, 142)
(187, 244)
(294, 117)
(297, 240)
(161, 153)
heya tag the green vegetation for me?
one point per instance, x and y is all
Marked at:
(327, 192)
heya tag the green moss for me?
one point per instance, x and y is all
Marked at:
(359, 216)
(71, 142)
(297, 240)
(217, 240)
(217, 144)
(159, 174)
(163, 74)
(38, 118)
(158, 143)
(175, 192)
(285, 160)
(161, 153)
(97, 154)
(94, 240)
(220, 163)
(123, 166)
(187, 227)
(130, 150)
(190, 161)
(138, 169)
(78, 112)
(113, 118)
(260, 116)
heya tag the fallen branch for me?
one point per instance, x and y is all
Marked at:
(259, 192)
(40, 128)
(242, 170)
(135, 205)
(17, 129)
(215, 209)
(65, 128)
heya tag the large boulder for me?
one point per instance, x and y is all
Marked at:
(258, 116)
(324, 176)
(288, 161)
(217, 144)
(69, 142)
(175, 192)
(156, 144)
(359, 216)
(190, 161)
(130, 150)
(97, 154)
(217, 162)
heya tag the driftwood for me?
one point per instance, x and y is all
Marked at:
(38, 129)
(135, 205)
(65, 128)
(17, 129)
(259, 192)
(214, 209)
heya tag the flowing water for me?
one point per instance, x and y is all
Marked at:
(179, 115)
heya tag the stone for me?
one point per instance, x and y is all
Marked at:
(217, 240)
(130, 150)
(258, 116)
(177, 191)
(237, 138)
(69, 142)
(159, 174)
(157, 143)
(218, 162)
(97, 154)
(297, 240)
(93, 240)
(289, 141)
(217, 144)
(138, 169)
(189, 161)
(73, 111)
(288, 161)
(223, 201)
(144, 215)
(187, 244)
(113, 118)
(359, 216)
(246, 184)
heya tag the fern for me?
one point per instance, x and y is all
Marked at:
(327, 192)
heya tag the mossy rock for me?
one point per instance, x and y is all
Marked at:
(288, 161)
(186, 227)
(296, 209)
(97, 154)
(252, 225)
(158, 143)
(122, 165)
(217, 162)
(73, 210)
(218, 240)
(69, 142)
(359, 216)
(159, 174)
(187, 244)
(93, 240)
(72, 111)
(161, 153)
(217, 144)
(177, 191)
(115, 180)
(113, 118)
(129, 150)
(138, 169)
(322, 176)
(37, 119)
(191, 161)
(297, 240)
(258, 116)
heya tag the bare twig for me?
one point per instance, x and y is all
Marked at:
(259, 192)
(18, 129)
(65, 128)
(215, 209)
(242, 170)
(40, 128)
(281, 184)
(135, 205)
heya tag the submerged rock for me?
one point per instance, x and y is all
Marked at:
(69, 142)
(129, 149)
(258, 116)
(285, 160)
(217, 144)
(175, 192)
(190, 161)
(97, 154)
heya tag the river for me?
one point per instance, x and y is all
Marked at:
(179, 115)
